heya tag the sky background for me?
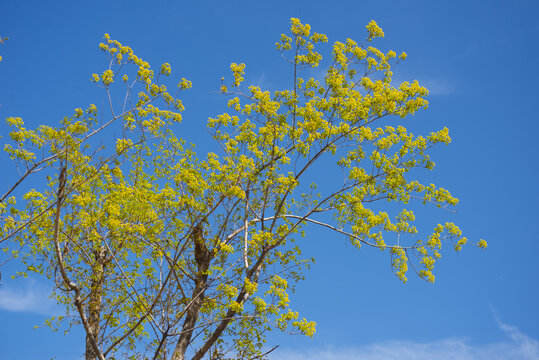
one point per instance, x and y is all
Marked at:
(478, 58)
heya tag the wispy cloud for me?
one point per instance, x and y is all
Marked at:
(517, 346)
(438, 86)
(261, 81)
(28, 297)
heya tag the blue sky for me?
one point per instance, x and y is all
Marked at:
(478, 58)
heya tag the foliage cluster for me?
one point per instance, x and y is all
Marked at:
(158, 252)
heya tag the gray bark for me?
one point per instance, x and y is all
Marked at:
(202, 258)
(95, 302)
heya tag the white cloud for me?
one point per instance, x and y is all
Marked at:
(30, 297)
(517, 346)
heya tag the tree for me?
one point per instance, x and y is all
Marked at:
(161, 254)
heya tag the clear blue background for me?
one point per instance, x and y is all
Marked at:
(478, 58)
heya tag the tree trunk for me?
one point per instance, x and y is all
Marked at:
(95, 300)
(202, 258)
